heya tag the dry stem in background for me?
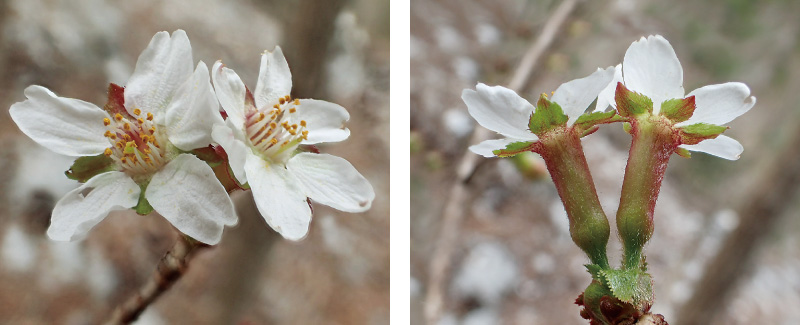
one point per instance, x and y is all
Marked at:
(454, 208)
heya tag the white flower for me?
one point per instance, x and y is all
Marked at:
(651, 68)
(167, 109)
(501, 110)
(261, 138)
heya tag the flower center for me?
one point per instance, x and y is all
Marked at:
(276, 131)
(137, 145)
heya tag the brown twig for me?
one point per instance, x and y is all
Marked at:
(768, 201)
(454, 208)
(171, 267)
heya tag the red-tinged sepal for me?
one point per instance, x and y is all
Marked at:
(217, 159)
(87, 167)
(695, 133)
(548, 116)
(116, 101)
(515, 148)
(630, 103)
(678, 109)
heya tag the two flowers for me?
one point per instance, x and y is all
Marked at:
(142, 150)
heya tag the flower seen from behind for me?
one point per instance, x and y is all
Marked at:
(262, 137)
(651, 68)
(134, 150)
(502, 110)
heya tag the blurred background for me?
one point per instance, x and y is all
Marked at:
(338, 50)
(725, 248)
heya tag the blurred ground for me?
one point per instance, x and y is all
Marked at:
(338, 275)
(514, 261)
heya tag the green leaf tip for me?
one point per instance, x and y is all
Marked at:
(633, 286)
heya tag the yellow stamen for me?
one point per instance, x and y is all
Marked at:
(107, 134)
(303, 123)
(273, 141)
(106, 121)
(292, 110)
(149, 116)
(108, 152)
(305, 135)
(282, 100)
(137, 111)
(126, 126)
(145, 138)
(140, 120)
(126, 137)
(297, 102)
(273, 125)
(261, 117)
(118, 117)
(124, 160)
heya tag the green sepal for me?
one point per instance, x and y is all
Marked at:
(143, 207)
(548, 115)
(209, 155)
(630, 103)
(683, 152)
(633, 286)
(678, 109)
(693, 134)
(87, 167)
(588, 122)
(627, 127)
(513, 149)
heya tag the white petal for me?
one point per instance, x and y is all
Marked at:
(79, 211)
(66, 126)
(485, 148)
(720, 104)
(162, 67)
(325, 121)
(500, 109)
(274, 78)
(721, 146)
(606, 97)
(231, 93)
(193, 112)
(332, 181)
(650, 67)
(575, 96)
(189, 196)
(278, 197)
(236, 149)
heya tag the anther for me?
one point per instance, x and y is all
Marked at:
(108, 152)
(273, 141)
(282, 100)
(296, 101)
(140, 120)
(118, 117)
(149, 116)
(126, 126)
(292, 110)
(106, 121)
(137, 111)
(303, 123)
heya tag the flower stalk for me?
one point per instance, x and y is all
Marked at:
(652, 145)
(588, 226)
(171, 268)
